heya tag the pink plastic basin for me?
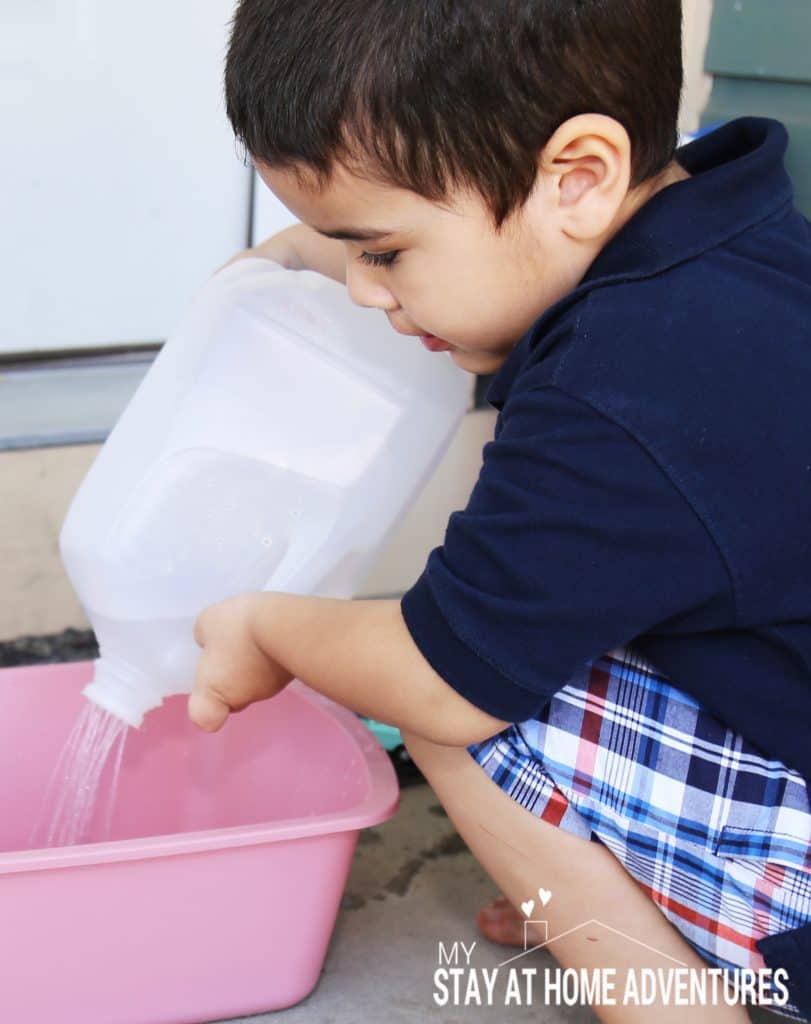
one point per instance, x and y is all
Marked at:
(218, 889)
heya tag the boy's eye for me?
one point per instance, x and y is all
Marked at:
(379, 259)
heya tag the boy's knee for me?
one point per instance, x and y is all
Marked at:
(430, 756)
(414, 744)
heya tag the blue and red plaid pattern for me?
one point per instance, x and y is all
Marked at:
(716, 833)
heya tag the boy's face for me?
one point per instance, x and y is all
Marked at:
(441, 272)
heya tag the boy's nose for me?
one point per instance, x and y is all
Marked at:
(365, 290)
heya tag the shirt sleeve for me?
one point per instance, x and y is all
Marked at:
(573, 543)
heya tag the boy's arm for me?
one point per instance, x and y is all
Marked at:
(358, 653)
(301, 248)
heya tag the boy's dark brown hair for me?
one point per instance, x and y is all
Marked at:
(431, 94)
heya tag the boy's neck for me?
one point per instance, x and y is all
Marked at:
(637, 197)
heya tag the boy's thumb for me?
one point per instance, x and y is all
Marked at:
(207, 712)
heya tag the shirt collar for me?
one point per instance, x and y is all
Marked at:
(738, 179)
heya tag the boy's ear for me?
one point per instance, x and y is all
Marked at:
(587, 169)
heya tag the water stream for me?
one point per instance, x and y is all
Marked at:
(97, 738)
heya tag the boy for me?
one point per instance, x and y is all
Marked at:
(501, 180)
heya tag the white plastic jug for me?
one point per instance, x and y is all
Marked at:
(274, 444)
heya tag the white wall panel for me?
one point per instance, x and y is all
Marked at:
(121, 187)
(269, 214)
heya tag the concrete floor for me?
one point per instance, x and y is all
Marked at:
(413, 884)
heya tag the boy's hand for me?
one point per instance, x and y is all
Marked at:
(233, 671)
(300, 248)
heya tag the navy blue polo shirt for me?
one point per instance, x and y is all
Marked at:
(649, 482)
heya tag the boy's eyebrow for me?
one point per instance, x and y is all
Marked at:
(355, 234)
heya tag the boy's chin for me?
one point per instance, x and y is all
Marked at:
(477, 362)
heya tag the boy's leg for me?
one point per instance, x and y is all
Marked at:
(521, 853)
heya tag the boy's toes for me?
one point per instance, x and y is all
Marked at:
(500, 922)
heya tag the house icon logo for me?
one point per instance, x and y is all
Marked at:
(595, 925)
(664, 981)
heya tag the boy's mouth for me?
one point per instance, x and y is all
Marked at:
(431, 342)
(434, 344)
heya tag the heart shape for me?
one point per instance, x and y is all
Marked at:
(544, 895)
(528, 907)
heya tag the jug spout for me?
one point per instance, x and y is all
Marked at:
(123, 690)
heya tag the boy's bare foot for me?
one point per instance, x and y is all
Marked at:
(500, 922)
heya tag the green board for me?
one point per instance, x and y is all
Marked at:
(760, 57)
(753, 38)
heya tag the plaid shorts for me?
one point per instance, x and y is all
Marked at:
(718, 835)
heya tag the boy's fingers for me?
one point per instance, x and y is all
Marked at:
(207, 711)
(199, 630)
